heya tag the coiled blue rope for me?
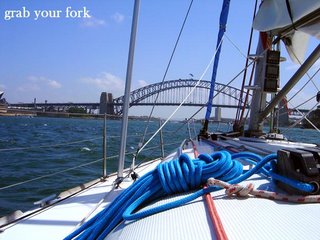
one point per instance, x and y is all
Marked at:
(268, 169)
(180, 175)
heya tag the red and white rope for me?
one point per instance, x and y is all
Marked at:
(248, 190)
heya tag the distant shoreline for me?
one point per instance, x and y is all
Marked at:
(23, 113)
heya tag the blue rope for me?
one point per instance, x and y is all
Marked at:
(180, 175)
(268, 170)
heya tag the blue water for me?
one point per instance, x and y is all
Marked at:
(33, 147)
(27, 159)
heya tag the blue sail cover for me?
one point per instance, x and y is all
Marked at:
(223, 23)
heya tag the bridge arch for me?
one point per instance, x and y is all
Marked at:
(175, 89)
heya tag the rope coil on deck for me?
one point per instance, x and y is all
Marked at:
(180, 175)
(184, 174)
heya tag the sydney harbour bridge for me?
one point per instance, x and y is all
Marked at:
(168, 93)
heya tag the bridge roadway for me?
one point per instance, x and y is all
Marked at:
(97, 105)
(30, 106)
(168, 93)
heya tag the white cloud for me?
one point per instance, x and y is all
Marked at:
(2, 87)
(117, 17)
(38, 83)
(141, 83)
(107, 82)
(53, 84)
(93, 22)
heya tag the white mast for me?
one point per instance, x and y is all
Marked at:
(127, 90)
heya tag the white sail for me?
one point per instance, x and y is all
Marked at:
(298, 46)
(294, 19)
(274, 14)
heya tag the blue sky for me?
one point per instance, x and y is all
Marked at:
(75, 59)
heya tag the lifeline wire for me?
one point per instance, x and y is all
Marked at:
(66, 170)
(47, 146)
(63, 144)
(49, 175)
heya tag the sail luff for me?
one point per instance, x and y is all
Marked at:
(222, 29)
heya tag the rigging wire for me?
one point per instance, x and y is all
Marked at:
(237, 48)
(225, 85)
(165, 74)
(296, 107)
(304, 116)
(246, 97)
(183, 101)
(310, 79)
(238, 117)
(217, 92)
(298, 60)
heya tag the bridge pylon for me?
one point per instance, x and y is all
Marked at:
(106, 103)
(217, 115)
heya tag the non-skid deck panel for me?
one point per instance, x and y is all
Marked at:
(257, 218)
(242, 218)
(189, 221)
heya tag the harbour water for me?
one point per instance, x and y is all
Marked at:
(34, 147)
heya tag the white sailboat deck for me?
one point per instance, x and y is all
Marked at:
(242, 218)
(60, 219)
